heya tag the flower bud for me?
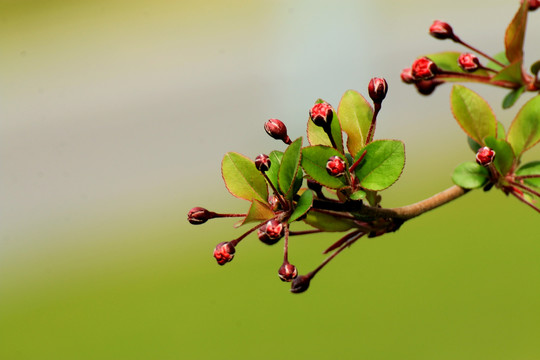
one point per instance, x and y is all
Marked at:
(485, 156)
(271, 232)
(277, 129)
(441, 30)
(273, 201)
(426, 87)
(424, 69)
(468, 62)
(335, 166)
(406, 76)
(534, 4)
(199, 215)
(321, 114)
(300, 284)
(262, 163)
(224, 252)
(287, 272)
(377, 88)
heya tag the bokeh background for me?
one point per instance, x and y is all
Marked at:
(114, 117)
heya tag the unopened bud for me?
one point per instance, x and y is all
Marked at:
(426, 87)
(377, 88)
(321, 114)
(262, 163)
(224, 252)
(406, 76)
(424, 69)
(485, 156)
(300, 284)
(468, 62)
(441, 30)
(534, 4)
(271, 232)
(335, 166)
(199, 215)
(277, 129)
(287, 272)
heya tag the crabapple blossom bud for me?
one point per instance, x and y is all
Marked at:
(424, 69)
(534, 4)
(485, 156)
(321, 114)
(277, 129)
(406, 76)
(199, 215)
(468, 62)
(287, 272)
(426, 87)
(262, 163)
(300, 284)
(441, 30)
(273, 201)
(335, 166)
(377, 88)
(271, 232)
(224, 252)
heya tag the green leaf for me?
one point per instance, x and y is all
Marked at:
(382, 164)
(470, 175)
(302, 206)
(512, 97)
(242, 179)
(535, 68)
(473, 113)
(358, 195)
(524, 132)
(448, 61)
(355, 115)
(327, 222)
(500, 57)
(289, 168)
(532, 168)
(511, 73)
(317, 136)
(501, 133)
(258, 211)
(504, 155)
(473, 144)
(275, 163)
(314, 159)
(515, 33)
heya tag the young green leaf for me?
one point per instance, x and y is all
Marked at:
(289, 168)
(302, 206)
(532, 168)
(327, 222)
(504, 155)
(500, 57)
(511, 98)
(470, 175)
(501, 133)
(275, 161)
(511, 73)
(314, 159)
(473, 113)
(524, 132)
(317, 136)
(473, 145)
(242, 179)
(358, 195)
(355, 115)
(448, 61)
(515, 33)
(258, 211)
(382, 164)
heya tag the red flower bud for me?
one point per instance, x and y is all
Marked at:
(199, 215)
(321, 114)
(426, 87)
(335, 166)
(377, 88)
(406, 76)
(468, 62)
(534, 4)
(273, 201)
(262, 163)
(287, 272)
(277, 129)
(424, 69)
(485, 156)
(300, 284)
(224, 252)
(441, 30)
(271, 232)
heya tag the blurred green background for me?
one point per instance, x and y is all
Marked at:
(114, 117)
